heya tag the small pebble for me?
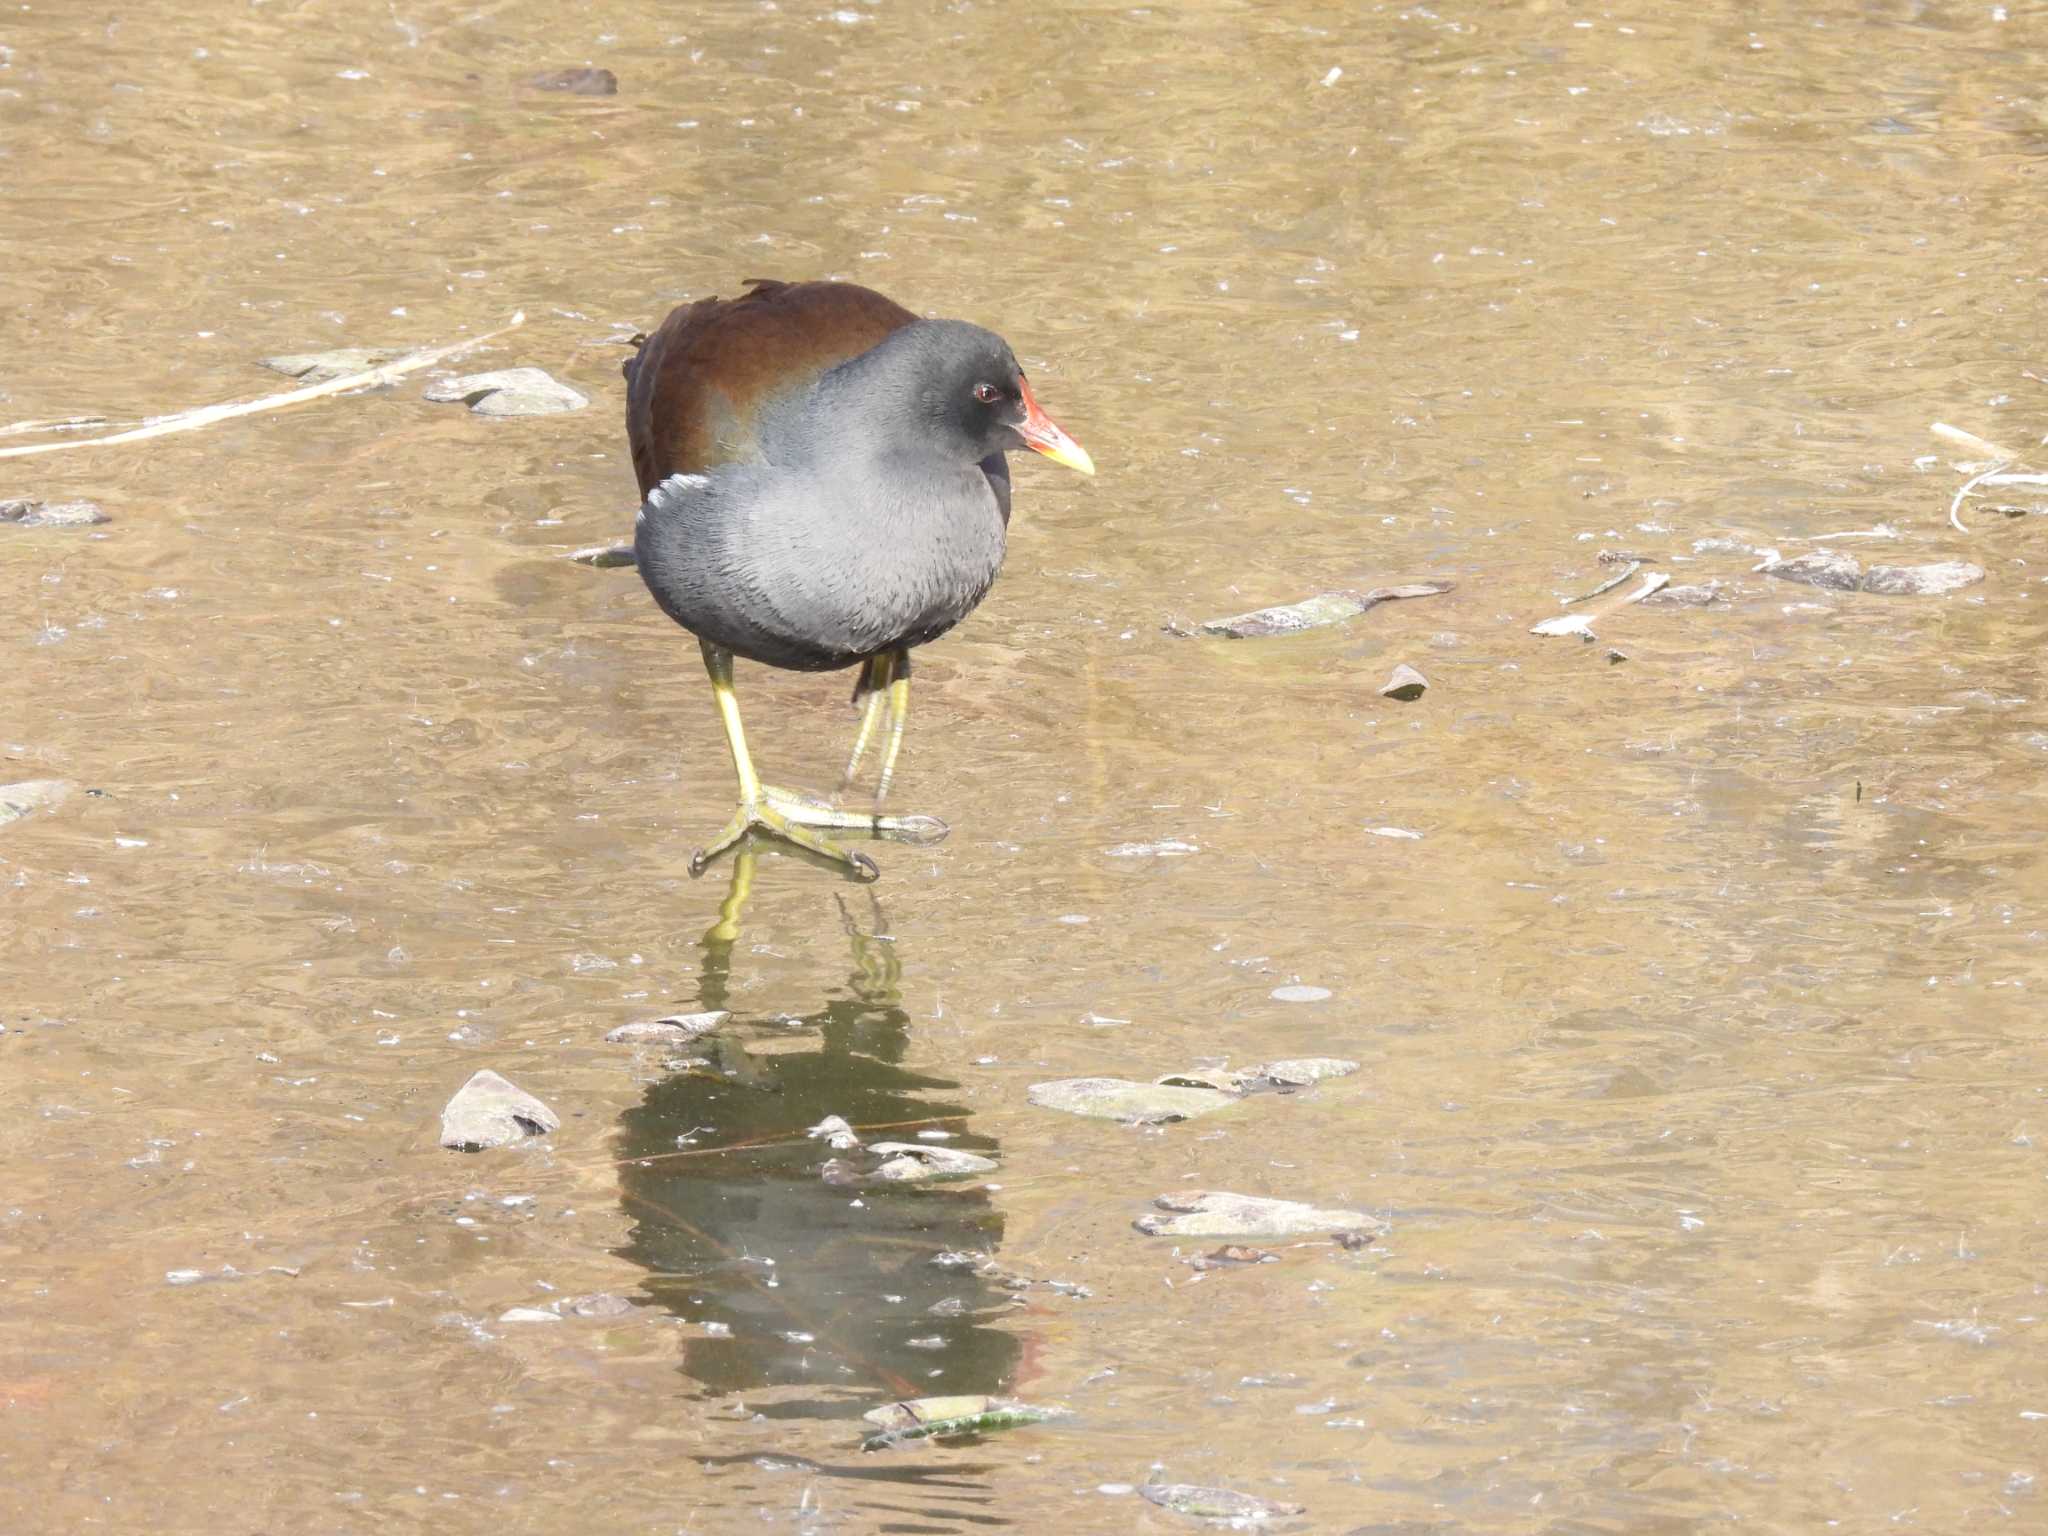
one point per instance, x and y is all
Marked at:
(582, 80)
(51, 514)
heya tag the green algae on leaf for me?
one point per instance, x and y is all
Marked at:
(935, 1418)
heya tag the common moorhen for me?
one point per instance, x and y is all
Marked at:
(824, 486)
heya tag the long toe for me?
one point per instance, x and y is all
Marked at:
(804, 811)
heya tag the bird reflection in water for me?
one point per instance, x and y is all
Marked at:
(799, 1279)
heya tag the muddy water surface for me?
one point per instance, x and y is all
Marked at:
(1702, 1074)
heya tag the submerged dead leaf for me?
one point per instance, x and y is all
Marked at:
(1113, 1098)
(1231, 1255)
(925, 1418)
(1827, 568)
(1218, 1213)
(604, 556)
(581, 80)
(490, 1111)
(1315, 612)
(319, 367)
(673, 1029)
(1922, 580)
(32, 795)
(1215, 1503)
(1299, 1071)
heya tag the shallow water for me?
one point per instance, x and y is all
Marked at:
(1702, 1081)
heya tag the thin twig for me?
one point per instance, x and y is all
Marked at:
(207, 415)
(1608, 585)
(68, 424)
(1970, 485)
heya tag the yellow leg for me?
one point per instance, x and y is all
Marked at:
(789, 816)
(874, 688)
(899, 716)
(718, 662)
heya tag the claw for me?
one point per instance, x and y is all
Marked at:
(917, 829)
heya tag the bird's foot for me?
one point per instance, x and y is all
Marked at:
(802, 820)
(772, 817)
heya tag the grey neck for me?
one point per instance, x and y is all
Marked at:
(873, 407)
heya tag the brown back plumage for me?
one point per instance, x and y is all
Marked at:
(695, 387)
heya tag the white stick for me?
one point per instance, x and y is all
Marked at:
(1881, 531)
(207, 415)
(1972, 441)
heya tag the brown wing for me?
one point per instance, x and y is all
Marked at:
(694, 387)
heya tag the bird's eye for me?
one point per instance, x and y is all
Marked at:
(986, 393)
